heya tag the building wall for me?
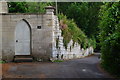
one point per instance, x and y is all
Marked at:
(41, 39)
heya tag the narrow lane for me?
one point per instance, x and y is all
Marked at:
(77, 68)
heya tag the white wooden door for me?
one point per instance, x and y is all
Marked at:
(22, 39)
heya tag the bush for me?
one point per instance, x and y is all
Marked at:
(71, 31)
(2, 62)
(110, 37)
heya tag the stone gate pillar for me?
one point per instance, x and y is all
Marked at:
(49, 25)
(49, 10)
(3, 7)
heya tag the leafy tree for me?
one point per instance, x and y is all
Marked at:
(84, 14)
(110, 37)
(27, 7)
(37, 7)
(17, 7)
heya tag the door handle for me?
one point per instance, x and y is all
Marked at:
(16, 40)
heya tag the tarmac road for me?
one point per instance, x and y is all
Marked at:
(78, 68)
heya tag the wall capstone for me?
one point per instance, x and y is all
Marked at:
(50, 10)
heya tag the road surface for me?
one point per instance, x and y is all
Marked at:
(78, 68)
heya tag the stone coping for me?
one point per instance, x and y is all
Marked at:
(22, 13)
(49, 7)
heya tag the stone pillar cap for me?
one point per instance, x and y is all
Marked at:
(49, 7)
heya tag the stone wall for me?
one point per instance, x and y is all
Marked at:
(3, 7)
(41, 39)
(71, 52)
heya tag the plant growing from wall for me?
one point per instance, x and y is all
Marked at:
(71, 31)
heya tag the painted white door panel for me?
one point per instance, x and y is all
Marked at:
(22, 39)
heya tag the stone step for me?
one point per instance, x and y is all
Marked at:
(23, 58)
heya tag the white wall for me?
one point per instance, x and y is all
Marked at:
(62, 53)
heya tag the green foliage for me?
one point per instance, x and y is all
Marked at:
(18, 7)
(71, 31)
(37, 7)
(110, 37)
(84, 14)
(28, 7)
(2, 62)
